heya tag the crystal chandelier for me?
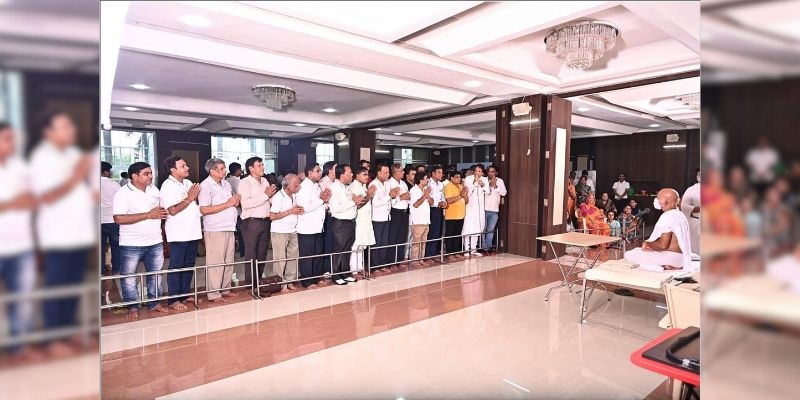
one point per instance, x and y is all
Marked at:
(690, 100)
(578, 44)
(275, 97)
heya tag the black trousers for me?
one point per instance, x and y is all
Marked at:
(398, 233)
(256, 239)
(452, 227)
(435, 232)
(344, 234)
(311, 245)
(380, 256)
(327, 235)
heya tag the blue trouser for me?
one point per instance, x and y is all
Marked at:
(153, 258)
(491, 222)
(19, 274)
(181, 255)
(63, 268)
(109, 233)
(435, 232)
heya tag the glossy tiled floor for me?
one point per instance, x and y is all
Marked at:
(476, 330)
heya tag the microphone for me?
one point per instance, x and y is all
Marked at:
(641, 213)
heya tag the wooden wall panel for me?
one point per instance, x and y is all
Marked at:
(287, 155)
(180, 143)
(502, 147)
(557, 113)
(642, 158)
(748, 110)
(359, 138)
(523, 181)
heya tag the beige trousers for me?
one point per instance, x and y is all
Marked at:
(284, 245)
(220, 248)
(419, 234)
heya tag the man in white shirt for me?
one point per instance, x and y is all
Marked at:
(762, 160)
(419, 218)
(283, 214)
(139, 214)
(66, 221)
(669, 246)
(17, 260)
(343, 207)
(234, 177)
(398, 226)
(218, 207)
(310, 224)
(329, 169)
(109, 230)
(183, 229)
(255, 192)
(381, 210)
(620, 189)
(497, 190)
(433, 246)
(691, 208)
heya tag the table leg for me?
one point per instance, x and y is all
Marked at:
(564, 275)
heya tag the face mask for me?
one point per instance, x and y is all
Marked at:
(656, 204)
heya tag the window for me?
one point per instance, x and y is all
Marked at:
(324, 153)
(122, 148)
(239, 149)
(406, 156)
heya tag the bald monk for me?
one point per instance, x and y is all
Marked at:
(669, 246)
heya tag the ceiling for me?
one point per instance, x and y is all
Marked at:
(377, 64)
(750, 40)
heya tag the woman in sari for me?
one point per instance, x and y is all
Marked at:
(572, 196)
(606, 204)
(595, 217)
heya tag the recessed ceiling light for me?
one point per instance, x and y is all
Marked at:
(398, 133)
(654, 125)
(130, 108)
(472, 83)
(475, 141)
(329, 110)
(376, 129)
(583, 109)
(197, 21)
(140, 86)
(299, 124)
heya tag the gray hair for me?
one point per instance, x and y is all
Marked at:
(212, 164)
(287, 179)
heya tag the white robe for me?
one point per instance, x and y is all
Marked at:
(475, 219)
(690, 200)
(364, 233)
(671, 221)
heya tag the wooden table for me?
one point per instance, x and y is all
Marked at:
(582, 240)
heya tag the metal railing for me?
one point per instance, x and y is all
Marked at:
(254, 265)
(84, 327)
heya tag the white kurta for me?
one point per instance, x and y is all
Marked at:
(475, 220)
(690, 200)
(364, 234)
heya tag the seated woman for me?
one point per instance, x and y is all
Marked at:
(595, 217)
(616, 228)
(606, 204)
(628, 224)
(582, 190)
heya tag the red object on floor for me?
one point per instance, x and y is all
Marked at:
(661, 368)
